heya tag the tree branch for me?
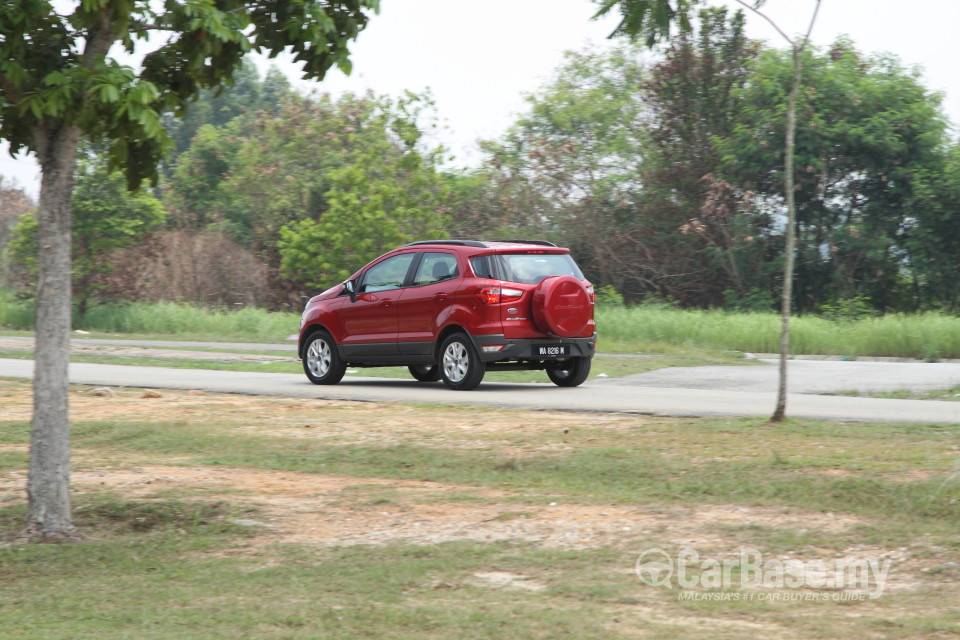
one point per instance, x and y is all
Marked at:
(806, 38)
(774, 24)
(10, 90)
(151, 27)
(99, 40)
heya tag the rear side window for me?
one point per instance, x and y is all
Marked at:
(436, 267)
(484, 267)
(532, 268)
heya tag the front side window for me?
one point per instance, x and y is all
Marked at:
(388, 274)
(436, 267)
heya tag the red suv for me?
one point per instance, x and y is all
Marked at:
(453, 310)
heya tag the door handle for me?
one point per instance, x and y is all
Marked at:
(386, 304)
(440, 297)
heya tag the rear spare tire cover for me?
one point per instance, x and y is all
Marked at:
(561, 306)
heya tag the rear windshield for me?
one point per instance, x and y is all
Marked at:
(527, 268)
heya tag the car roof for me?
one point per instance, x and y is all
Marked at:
(487, 244)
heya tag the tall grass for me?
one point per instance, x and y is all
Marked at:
(922, 335)
(172, 317)
(14, 314)
(163, 318)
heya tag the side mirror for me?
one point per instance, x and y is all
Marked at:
(351, 287)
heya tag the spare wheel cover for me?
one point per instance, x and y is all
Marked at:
(561, 306)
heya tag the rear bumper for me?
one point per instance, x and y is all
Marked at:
(523, 348)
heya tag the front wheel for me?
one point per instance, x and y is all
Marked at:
(460, 367)
(424, 372)
(321, 362)
(570, 373)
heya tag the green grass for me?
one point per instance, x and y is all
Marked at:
(170, 563)
(165, 584)
(10, 460)
(645, 329)
(925, 336)
(172, 587)
(778, 469)
(951, 394)
(164, 319)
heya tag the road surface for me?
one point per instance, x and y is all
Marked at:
(736, 391)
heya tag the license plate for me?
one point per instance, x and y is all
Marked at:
(551, 350)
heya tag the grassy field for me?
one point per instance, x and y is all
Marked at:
(928, 336)
(951, 394)
(646, 329)
(221, 516)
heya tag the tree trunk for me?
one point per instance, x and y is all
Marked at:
(48, 483)
(780, 412)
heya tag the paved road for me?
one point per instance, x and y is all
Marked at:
(620, 395)
(806, 376)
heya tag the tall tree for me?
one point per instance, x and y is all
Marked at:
(694, 99)
(869, 137)
(571, 169)
(59, 83)
(216, 107)
(263, 175)
(931, 238)
(386, 191)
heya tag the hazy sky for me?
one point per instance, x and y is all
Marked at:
(479, 57)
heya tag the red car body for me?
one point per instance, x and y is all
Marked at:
(512, 304)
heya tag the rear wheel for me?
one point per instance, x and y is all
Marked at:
(321, 362)
(570, 373)
(425, 372)
(460, 367)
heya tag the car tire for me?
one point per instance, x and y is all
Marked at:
(424, 372)
(460, 367)
(321, 362)
(570, 373)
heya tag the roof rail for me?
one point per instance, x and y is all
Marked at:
(462, 243)
(542, 243)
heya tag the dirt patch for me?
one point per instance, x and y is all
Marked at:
(312, 509)
(507, 580)
(341, 510)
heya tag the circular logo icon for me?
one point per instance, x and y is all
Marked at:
(654, 567)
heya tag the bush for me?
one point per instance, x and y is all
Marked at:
(206, 269)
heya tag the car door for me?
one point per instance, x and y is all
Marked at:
(370, 323)
(429, 293)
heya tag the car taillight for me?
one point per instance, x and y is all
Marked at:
(593, 296)
(496, 295)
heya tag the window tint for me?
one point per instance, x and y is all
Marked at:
(484, 267)
(436, 267)
(532, 268)
(388, 274)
